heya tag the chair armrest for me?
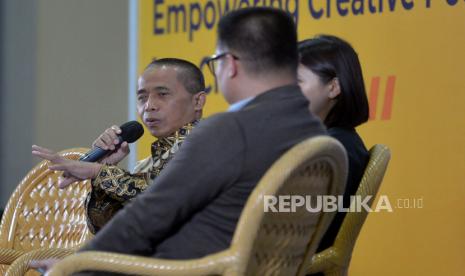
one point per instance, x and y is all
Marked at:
(21, 265)
(329, 259)
(322, 261)
(129, 264)
(8, 256)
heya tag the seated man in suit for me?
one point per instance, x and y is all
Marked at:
(192, 208)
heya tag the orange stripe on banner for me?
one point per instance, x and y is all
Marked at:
(388, 97)
(373, 99)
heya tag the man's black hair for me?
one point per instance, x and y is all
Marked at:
(189, 74)
(264, 39)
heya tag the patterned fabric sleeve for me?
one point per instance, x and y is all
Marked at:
(111, 189)
(119, 184)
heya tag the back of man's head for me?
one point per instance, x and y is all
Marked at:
(188, 73)
(264, 39)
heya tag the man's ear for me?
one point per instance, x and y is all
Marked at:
(232, 66)
(199, 100)
(334, 89)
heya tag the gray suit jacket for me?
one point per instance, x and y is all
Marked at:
(192, 208)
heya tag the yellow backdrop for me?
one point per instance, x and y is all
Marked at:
(412, 53)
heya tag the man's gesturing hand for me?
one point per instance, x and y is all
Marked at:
(73, 170)
(43, 265)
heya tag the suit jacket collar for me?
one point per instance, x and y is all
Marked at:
(275, 94)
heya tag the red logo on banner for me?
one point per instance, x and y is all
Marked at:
(388, 97)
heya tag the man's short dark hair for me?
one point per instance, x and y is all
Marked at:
(331, 57)
(189, 74)
(264, 39)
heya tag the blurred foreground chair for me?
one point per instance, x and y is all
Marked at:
(334, 261)
(40, 216)
(264, 243)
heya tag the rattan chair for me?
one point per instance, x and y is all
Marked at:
(39, 215)
(264, 243)
(336, 259)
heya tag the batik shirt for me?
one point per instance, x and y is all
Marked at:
(114, 187)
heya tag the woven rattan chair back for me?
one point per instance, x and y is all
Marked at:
(276, 243)
(336, 259)
(40, 215)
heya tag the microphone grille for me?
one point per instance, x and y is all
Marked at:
(131, 131)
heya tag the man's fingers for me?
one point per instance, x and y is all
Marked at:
(64, 182)
(42, 152)
(124, 147)
(46, 156)
(108, 141)
(58, 167)
(113, 135)
(117, 129)
(38, 264)
(42, 149)
(44, 264)
(99, 144)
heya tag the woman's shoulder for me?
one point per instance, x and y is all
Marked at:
(343, 133)
(349, 138)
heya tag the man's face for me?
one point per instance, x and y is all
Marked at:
(223, 75)
(163, 103)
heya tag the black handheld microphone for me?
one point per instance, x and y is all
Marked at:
(130, 132)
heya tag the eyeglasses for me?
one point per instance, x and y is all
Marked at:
(212, 60)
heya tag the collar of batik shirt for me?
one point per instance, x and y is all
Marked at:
(170, 144)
